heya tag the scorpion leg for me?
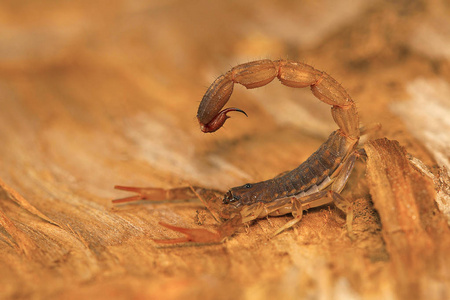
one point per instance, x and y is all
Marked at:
(317, 199)
(336, 187)
(297, 213)
(300, 203)
(345, 206)
(341, 179)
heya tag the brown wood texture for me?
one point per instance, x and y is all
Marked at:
(416, 234)
(94, 94)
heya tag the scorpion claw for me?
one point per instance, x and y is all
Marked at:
(142, 194)
(219, 120)
(129, 198)
(192, 235)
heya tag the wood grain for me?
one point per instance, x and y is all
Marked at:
(416, 233)
(97, 94)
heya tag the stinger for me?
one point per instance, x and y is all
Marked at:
(219, 120)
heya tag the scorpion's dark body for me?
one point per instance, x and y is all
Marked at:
(311, 176)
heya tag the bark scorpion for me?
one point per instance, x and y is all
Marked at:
(317, 181)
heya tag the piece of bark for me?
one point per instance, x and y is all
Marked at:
(415, 232)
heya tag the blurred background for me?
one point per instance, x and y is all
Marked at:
(98, 93)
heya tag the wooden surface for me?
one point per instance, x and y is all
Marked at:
(94, 94)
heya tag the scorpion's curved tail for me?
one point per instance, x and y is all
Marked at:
(293, 74)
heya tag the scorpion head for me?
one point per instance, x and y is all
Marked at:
(229, 198)
(241, 195)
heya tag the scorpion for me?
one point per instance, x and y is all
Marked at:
(316, 182)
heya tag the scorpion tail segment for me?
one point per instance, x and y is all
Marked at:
(218, 120)
(192, 235)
